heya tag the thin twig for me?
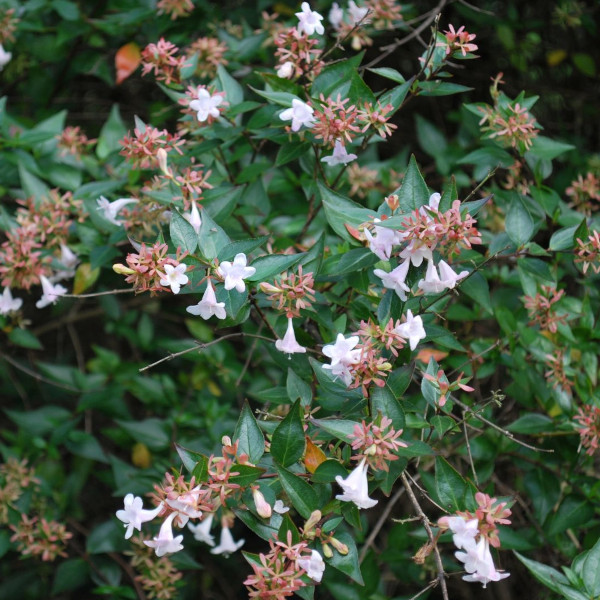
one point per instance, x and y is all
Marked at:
(94, 294)
(380, 522)
(475, 478)
(432, 584)
(202, 345)
(249, 357)
(441, 578)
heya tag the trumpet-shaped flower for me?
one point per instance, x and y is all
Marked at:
(299, 114)
(412, 329)
(336, 15)
(185, 505)
(357, 13)
(164, 542)
(342, 351)
(4, 57)
(340, 155)
(133, 515)
(175, 277)
(314, 565)
(208, 306)
(288, 344)
(193, 217)
(356, 487)
(206, 104)
(309, 20)
(479, 564)
(447, 278)
(395, 279)
(235, 272)
(8, 303)
(202, 530)
(227, 544)
(383, 240)
(50, 293)
(463, 531)
(110, 210)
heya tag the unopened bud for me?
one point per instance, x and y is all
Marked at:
(339, 546)
(392, 202)
(122, 269)
(161, 156)
(286, 70)
(263, 508)
(371, 450)
(314, 518)
(226, 440)
(267, 288)
(327, 551)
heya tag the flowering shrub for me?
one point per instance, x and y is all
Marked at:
(259, 311)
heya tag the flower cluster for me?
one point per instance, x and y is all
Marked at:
(585, 193)
(15, 478)
(511, 124)
(558, 372)
(141, 148)
(150, 269)
(588, 421)
(297, 54)
(291, 292)
(175, 8)
(41, 538)
(73, 141)
(377, 442)
(473, 534)
(210, 52)
(161, 60)
(542, 310)
(588, 252)
(8, 25)
(459, 41)
(443, 386)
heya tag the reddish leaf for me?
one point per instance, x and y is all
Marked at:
(127, 60)
(313, 456)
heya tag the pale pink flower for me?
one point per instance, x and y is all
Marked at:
(313, 565)
(174, 277)
(395, 279)
(164, 542)
(235, 272)
(340, 155)
(382, 240)
(299, 114)
(8, 303)
(227, 544)
(412, 329)
(50, 293)
(288, 344)
(193, 217)
(133, 515)
(356, 487)
(309, 20)
(208, 306)
(479, 563)
(205, 105)
(202, 530)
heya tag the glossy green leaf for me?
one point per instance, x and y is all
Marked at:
(112, 132)
(273, 264)
(347, 564)
(301, 494)
(519, 224)
(247, 431)
(383, 401)
(413, 192)
(341, 211)
(183, 235)
(297, 388)
(449, 485)
(288, 442)
(212, 237)
(340, 428)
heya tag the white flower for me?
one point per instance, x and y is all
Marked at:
(193, 217)
(288, 344)
(433, 204)
(336, 15)
(343, 350)
(227, 544)
(449, 276)
(340, 155)
(313, 565)
(4, 57)
(280, 508)
(395, 279)
(206, 105)
(342, 371)
(416, 251)
(479, 564)
(310, 20)
(356, 487)
(412, 329)
(69, 260)
(235, 273)
(133, 515)
(383, 240)
(357, 13)
(175, 277)
(110, 210)
(8, 303)
(202, 530)
(50, 293)
(463, 531)
(208, 306)
(185, 505)
(164, 542)
(286, 70)
(299, 114)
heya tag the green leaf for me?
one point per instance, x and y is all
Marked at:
(413, 192)
(519, 224)
(383, 400)
(550, 577)
(70, 575)
(301, 494)
(189, 458)
(151, 432)
(563, 238)
(41, 421)
(266, 531)
(244, 246)
(590, 572)
(477, 288)
(25, 339)
(212, 237)
(246, 474)
(291, 151)
(247, 431)
(340, 210)
(431, 140)
(573, 512)
(281, 98)
(106, 537)
(328, 470)
(449, 485)
(288, 442)
(347, 564)
(340, 428)
(531, 423)
(112, 132)
(396, 95)
(32, 186)
(273, 264)
(351, 261)
(388, 73)
(183, 235)
(441, 88)
(548, 149)
(234, 93)
(297, 388)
